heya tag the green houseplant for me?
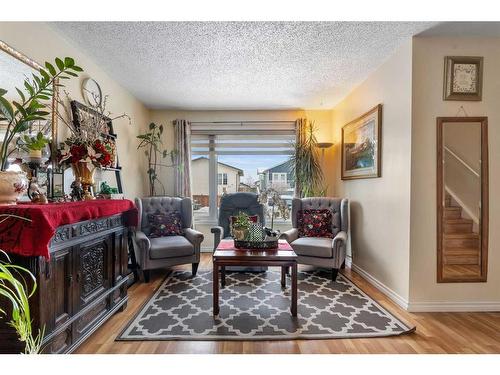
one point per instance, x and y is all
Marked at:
(35, 145)
(152, 144)
(15, 289)
(305, 164)
(16, 116)
(240, 226)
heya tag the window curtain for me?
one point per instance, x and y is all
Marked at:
(182, 145)
(300, 136)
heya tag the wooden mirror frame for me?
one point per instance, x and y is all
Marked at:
(33, 64)
(483, 225)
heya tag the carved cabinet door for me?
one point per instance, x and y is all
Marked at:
(56, 298)
(93, 278)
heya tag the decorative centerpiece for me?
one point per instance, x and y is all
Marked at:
(17, 116)
(84, 157)
(252, 235)
(88, 148)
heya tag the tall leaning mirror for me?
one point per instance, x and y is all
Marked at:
(462, 199)
(15, 67)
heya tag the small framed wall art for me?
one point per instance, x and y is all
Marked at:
(463, 78)
(361, 153)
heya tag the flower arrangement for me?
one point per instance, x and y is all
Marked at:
(88, 142)
(98, 152)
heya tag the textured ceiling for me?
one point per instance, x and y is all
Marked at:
(239, 65)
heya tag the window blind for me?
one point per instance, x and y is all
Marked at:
(243, 138)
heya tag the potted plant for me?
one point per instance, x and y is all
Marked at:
(18, 115)
(152, 143)
(14, 281)
(240, 226)
(35, 145)
(305, 165)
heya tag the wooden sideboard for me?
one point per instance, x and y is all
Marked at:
(79, 288)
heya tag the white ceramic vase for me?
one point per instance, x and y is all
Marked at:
(12, 185)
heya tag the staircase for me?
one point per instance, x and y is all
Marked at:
(460, 244)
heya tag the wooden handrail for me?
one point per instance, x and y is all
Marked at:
(462, 161)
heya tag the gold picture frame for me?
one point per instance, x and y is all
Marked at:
(463, 78)
(361, 147)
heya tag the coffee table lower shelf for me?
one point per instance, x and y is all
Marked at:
(233, 257)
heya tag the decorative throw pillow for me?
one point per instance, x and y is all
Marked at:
(315, 223)
(168, 224)
(232, 220)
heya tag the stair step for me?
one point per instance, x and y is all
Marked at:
(465, 255)
(457, 226)
(469, 240)
(452, 212)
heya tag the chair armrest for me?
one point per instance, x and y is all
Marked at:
(142, 240)
(340, 239)
(218, 235)
(193, 236)
(290, 235)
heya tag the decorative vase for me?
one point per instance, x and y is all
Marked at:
(12, 185)
(86, 173)
(240, 234)
(35, 154)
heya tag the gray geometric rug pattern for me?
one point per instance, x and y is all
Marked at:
(253, 306)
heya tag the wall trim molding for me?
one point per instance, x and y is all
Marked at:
(395, 297)
(453, 306)
(480, 306)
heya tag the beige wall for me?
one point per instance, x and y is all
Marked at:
(428, 56)
(322, 120)
(39, 42)
(380, 207)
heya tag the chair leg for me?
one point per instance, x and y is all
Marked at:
(146, 275)
(343, 265)
(194, 268)
(335, 272)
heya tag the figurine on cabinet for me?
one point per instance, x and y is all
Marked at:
(34, 192)
(77, 190)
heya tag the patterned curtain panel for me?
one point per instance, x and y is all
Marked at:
(300, 134)
(182, 139)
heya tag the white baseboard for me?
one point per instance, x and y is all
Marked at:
(453, 306)
(425, 306)
(400, 301)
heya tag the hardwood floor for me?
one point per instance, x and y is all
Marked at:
(436, 332)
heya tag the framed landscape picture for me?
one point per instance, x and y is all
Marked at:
(361, 146)
(463, 78)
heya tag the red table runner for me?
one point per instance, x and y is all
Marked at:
(229, 245)
(32, 238)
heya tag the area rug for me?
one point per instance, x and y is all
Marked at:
(253, 306)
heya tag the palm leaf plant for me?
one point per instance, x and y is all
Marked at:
(305, 164)
(32, 103)
(17, 285)
(152, 143)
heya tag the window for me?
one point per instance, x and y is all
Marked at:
(230, 157)
(221, 178)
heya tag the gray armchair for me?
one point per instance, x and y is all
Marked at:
(316, 251)
(167, 251)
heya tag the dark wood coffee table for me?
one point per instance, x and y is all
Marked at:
(227, 255)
